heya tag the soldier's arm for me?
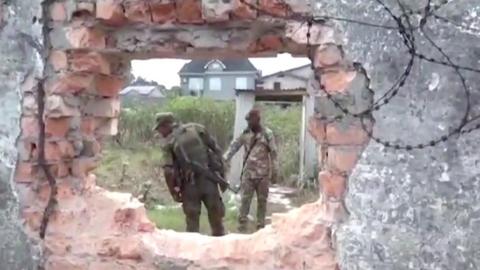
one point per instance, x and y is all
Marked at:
(273, 150)
(169, 173)
(234, 147)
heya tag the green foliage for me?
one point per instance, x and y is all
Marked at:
(285, 124)
(128, 170)
(217, 117)
(137, 121)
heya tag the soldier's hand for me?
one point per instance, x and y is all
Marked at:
(177, 197)
(223, 187)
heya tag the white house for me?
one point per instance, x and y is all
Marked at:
(143, 93)
(291, 79)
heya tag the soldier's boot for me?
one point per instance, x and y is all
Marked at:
(262, 200)
(242, 225)
(216, 212)
(246, 200)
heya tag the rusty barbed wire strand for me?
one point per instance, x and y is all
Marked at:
(409, 42)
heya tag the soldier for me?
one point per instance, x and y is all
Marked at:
(259, 167)
(183, 146)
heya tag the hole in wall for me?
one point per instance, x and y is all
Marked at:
(205, 91)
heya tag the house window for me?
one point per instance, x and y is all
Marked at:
(215, 66)
(215, 84)
(195, 84)
(276, 86)
(241, 83)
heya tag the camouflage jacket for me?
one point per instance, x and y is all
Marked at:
(262, 158)
(199, 138)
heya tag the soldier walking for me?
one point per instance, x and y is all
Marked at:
(188, 151)
(259, 167)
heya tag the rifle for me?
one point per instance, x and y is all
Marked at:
(199, 169)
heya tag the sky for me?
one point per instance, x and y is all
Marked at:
(165, 71)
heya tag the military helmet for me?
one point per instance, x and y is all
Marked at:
(163, 118)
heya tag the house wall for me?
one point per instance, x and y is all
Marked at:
(228, 84)
(286, 81)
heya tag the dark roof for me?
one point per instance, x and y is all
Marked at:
(197, 66)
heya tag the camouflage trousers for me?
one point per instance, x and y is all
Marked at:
(193, 195)
(248, 188)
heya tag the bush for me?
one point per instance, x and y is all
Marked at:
(137, 121)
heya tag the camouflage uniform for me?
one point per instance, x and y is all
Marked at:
(191, 142)
(257, 172)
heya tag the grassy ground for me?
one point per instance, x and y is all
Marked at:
(127, 170)
(172, 218)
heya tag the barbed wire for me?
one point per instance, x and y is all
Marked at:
(405, 29)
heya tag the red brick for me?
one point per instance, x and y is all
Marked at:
(87, 7)
(276, 7)
(243, 11)
(337, 80)
(189, 11)
(89, 62)
(146, 227)
(60, 169)
(87, 38)
(58, 11)
(317, 129)
(163, 10)
(350, 135)
(57, 127)
(217, 11)
(57, 106)
(58, 60)
(108, 86)
(29, 104)
(103, 107)
(63, 263)
(267, 43)
(328, 55)
(30, 128)
(32, 218)
(332, 185)
(54, 151)
(137, 11)
(25, 172)
(342, 159)
(71, 83)
(81, 167)
(88, 126)
(111, 12)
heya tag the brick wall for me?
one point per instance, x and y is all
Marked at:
(90, 46)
